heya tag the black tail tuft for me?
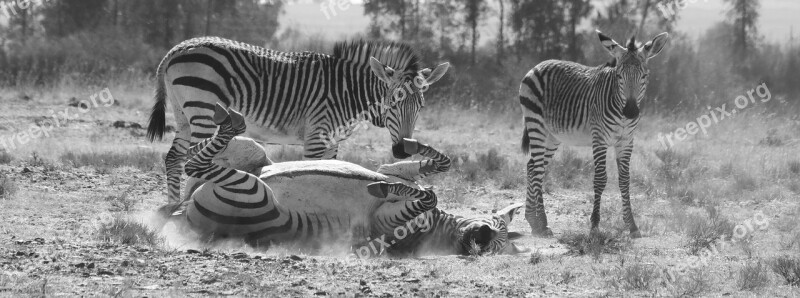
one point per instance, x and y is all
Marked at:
(155, 130)
(526, 141)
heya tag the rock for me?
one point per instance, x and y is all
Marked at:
(296, 258)
(119, 124)
(104, 272)
(192, 251)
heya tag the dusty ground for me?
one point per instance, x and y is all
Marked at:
(62, 191)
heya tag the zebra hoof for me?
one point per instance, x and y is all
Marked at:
(220, 114)
(411, 146)
(541, 232)
(636, 234)
(237, 121)
(378, 189)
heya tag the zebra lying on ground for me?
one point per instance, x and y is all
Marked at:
(315, 202)
(306, 98)
(566, 102)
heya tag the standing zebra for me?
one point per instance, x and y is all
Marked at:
(566, 102)
(308, 203)
(304, 98)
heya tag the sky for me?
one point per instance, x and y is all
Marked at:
(777, 19)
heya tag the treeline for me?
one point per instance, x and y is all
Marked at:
(490, 43)
(46, 40)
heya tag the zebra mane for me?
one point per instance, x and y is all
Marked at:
(398, 56)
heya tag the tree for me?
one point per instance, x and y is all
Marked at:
(475, 9)
(578, 10)
(743, 15)
(394, 9)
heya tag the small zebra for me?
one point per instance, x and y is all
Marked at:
(315, 202)
(303, 98)
(566, 102)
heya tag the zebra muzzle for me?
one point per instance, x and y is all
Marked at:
(399, 151)
(631, 109)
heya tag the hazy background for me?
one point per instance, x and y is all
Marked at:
(718, 49)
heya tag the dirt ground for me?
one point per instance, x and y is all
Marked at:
(64, 188)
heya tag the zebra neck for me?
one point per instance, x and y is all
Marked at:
(358, 93)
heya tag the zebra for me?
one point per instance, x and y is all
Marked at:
(314, 202)
(566, 102)
(305, 98)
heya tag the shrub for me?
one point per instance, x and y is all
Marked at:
(8, 188)
(142, 159)
(638, 277)
(128, 232)
(5, 157)
(595, 243)
(702, 232)
(753, 276)
(788, 268)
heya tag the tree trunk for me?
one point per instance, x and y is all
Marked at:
(208, 17)
(644, 14)
(501, 39)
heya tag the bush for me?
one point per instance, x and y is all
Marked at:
(788, 268)
(753, 276)
(5, 157)
(638, 277)
(123, 231)
(144, 160)
(595, 243)
(702, 231)
(8, 188)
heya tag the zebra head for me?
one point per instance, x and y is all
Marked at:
(403, 99)
(490, 235)
(631, 68)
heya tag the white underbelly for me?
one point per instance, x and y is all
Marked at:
(292, 135)
(575, 138)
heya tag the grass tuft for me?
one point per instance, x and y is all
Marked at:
(788, 268)
(595, 243)
(5, 157)
(638, 277)
(124, 231)
(8, 188)
(536, 257)
(702, 231)
(141, 159)
(753, 276)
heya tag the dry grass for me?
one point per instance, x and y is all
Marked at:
(702, 232)
(125, 231)
(788, 268)
(8, 188)
(5, 157)
(595, 243)
(145, 160)
(753, 276)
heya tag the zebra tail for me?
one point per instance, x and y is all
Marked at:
(526, 141)
(155, 130)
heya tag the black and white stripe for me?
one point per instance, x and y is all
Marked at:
(566, 102)
(307, 97)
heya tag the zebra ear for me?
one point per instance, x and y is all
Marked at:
(611, 46)
(437, 73)
(383, 72)
(508, 213)
(653, 47)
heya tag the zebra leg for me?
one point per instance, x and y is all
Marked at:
(624, 152)
(551, 145)
(599, 152)
(436, 162)
(534, 205)
(426, 199)
(200, 165)
(174, 161)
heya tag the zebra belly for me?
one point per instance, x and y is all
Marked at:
(581, 137)
(288, 134)
(328, 187)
